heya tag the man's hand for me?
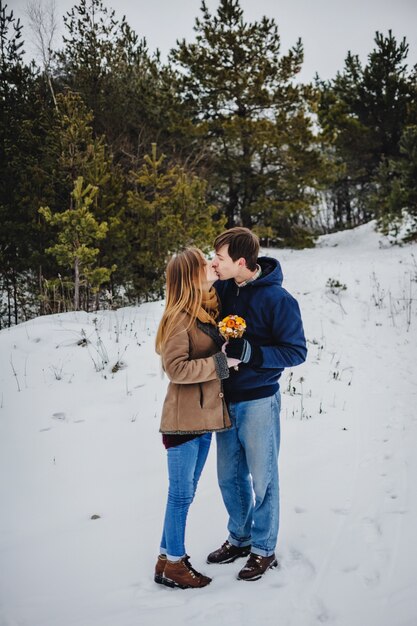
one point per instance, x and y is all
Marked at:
(244, 351)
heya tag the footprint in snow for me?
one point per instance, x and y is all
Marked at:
(59, 416)
(302, 563)
(373, 530)
(299, 509)
(348, 569)
(322, 614)
(372, 579)
(341, 511)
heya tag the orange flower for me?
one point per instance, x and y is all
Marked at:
(232, 327)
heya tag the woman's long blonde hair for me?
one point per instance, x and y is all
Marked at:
(184, 292)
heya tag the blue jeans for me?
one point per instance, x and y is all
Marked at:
(185, 464)
(247, 468)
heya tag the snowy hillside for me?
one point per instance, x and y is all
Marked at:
(80, 399)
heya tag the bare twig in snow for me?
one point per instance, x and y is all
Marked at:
(14, 373)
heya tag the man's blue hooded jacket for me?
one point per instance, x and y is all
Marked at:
(274, 324)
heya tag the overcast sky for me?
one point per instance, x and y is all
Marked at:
(328, 28)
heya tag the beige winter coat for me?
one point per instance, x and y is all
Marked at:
(194, 402)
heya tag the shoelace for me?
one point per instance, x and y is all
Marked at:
(226, 546)
(190, 568)
(253, 561)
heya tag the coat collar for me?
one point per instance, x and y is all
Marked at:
(212, 332)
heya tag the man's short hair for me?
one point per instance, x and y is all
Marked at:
(242, 242)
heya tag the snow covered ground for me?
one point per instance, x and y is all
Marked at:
(80, 398)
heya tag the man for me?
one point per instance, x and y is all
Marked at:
(247, 454)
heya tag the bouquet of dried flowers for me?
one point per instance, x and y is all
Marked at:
(232, 327)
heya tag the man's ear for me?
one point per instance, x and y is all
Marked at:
(241, 262)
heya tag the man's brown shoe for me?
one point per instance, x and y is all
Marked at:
(159, 568)
(182, 574)
(228, 553)
(256, 566)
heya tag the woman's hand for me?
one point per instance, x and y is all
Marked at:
(230, 361)
(233, 362)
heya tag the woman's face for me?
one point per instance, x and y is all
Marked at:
(210, 274)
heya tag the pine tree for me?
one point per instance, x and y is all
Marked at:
(78, 231)
(253, 116)
(132, 97)
(94, 43)
(74, 151)
(23, 123)
(363, 113)
(167, 211)
(395, 198)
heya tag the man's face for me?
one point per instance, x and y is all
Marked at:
(224, 266)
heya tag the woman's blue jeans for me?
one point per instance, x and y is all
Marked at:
(247, 467)
(185, 464)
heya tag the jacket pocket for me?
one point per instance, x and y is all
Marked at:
(211, 394)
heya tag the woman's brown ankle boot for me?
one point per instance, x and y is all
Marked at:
(182, 574)
(159, 568)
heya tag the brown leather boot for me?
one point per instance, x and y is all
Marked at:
(159, 568)
(182, 574)
(256, 566)
(228, 553)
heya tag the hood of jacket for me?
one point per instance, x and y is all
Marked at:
(271, 273)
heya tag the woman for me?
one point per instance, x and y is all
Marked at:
(190, 348)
